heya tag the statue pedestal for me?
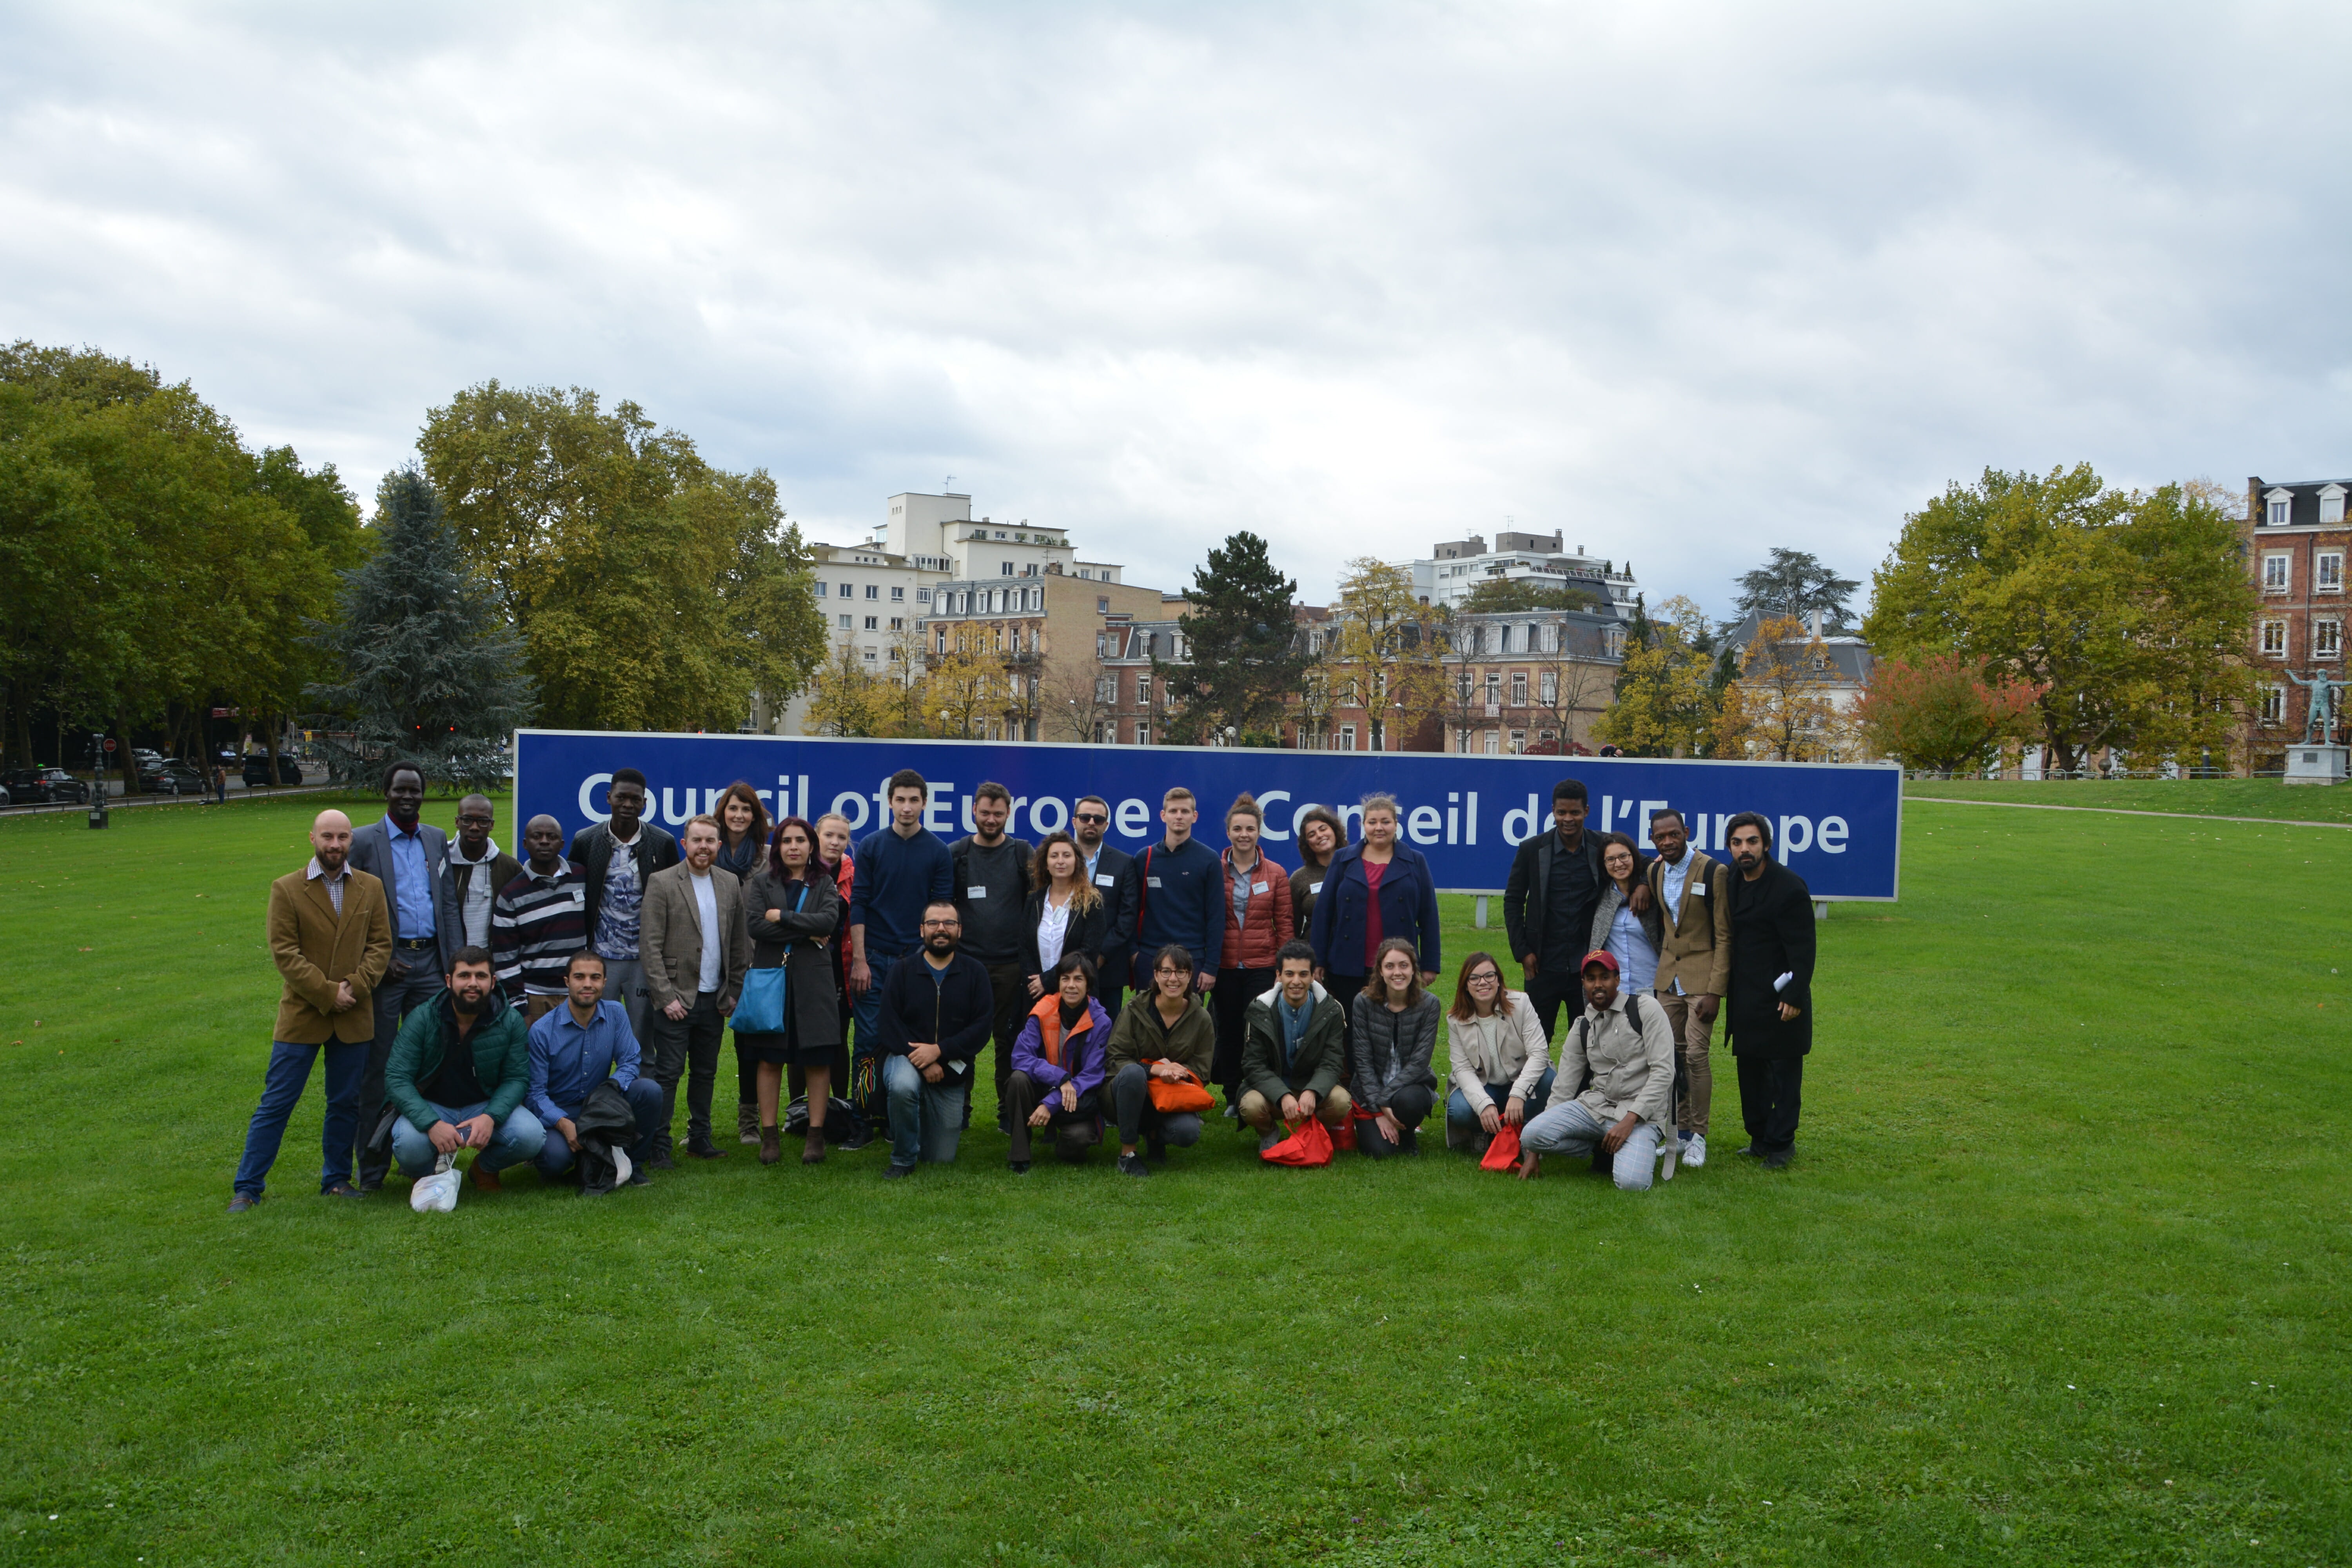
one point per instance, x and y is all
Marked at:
(2315, 764)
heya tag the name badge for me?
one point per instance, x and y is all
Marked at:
(1104, 880)
(1700, 888)
(1258, 886)
(1314, 887)
(975, 892)
(1151, 881)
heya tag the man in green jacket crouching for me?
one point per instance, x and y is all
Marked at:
(1294, 1051)
(459, 1069)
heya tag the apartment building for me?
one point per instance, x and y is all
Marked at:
(1530, 681)
(872, 599)
(1050, 631)
(1132, 700)
(2295, 540)
(1454, 567)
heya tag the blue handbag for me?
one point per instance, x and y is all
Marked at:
(760, 1010)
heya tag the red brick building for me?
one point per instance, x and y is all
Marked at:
(2295, 541)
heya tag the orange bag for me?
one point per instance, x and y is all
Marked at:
(1311, 1145)
(1169, 1095)
(1503, 1152)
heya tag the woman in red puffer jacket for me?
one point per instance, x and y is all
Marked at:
(1257, 923)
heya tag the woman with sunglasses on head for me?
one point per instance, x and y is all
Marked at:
(794, 909)
(1501, 1062)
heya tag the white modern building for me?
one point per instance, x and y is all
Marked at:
(937, 533)
(1454, 567)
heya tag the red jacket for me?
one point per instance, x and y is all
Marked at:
(1252, 944)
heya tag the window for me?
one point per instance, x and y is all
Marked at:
(1494, 741)
(922, 595)
(899, 595)
(844, 622)
(2278, 506)
(1007, 568)
(2275, 639)
(999, 534)
(2331, 503)
(2278, 573)
(869, 656)
(2273, 704)
(1143, 690)
(1518, 741)
(1142, 733)
(1036, 598)
(820, 587)
(870, 621)
(2329, 572)
(1550, 641)
(897, 622)
(1346, 737)
(2327, 639)
(1493, 686)
(1548, 685)
(1519, 689)
(873, 590)
(1107, 688)
(1102, 604)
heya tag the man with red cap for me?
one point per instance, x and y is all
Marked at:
(1628, 1106)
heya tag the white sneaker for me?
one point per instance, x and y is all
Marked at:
(1694, 1150)
(621, 1169)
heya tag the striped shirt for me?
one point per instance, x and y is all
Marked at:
(537, 923)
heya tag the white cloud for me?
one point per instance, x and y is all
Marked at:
(1683, 280)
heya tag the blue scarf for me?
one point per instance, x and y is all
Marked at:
(1294, 1023)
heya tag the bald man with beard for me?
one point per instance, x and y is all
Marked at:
(330, 935)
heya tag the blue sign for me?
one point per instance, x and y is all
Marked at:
(1838, 826)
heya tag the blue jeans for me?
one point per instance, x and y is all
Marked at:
(281, 1086)
(515, 1140)
(1457, 1104)
(645, 1098)
(868, 1045)
(926, 1119)
(1571, 1129)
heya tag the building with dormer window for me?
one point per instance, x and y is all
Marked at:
(2295, 541)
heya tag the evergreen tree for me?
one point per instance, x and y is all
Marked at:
(431, 671)
(1246, 657)
(1794, 583)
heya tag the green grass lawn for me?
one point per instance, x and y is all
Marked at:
(2058, 1275)
(2211, 797)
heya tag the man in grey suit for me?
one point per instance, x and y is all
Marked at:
(696, 945)
(407, 856)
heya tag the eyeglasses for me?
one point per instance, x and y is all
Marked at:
(942, 925)
(1486, 978)
(1094, 818)
(485, 821)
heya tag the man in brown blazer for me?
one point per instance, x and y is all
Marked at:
(330, 934)
(1692, 895)
(695, 944)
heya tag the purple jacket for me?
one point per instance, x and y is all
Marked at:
(1085, 1049)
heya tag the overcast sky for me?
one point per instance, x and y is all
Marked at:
(1683, 281)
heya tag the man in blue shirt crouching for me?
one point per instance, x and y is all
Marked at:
(573, 1049)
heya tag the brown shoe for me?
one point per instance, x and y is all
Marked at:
(746, 1124)
(812, 1151)
(772, 1145)
(484, 1181)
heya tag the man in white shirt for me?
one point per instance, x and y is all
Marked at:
(1106, 864)
(695, 946)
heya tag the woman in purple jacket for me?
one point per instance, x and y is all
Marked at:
(1372, 891)
(1057, 1067)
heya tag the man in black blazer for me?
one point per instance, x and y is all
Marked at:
(408, 855)
(1770, 1010)
(1106, 866)
(1555, 886)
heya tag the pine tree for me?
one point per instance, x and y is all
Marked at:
(432, 673)
(1246, 657)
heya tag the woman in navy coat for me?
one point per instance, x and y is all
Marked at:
(1372, 891)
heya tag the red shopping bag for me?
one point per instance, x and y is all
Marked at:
(1346, 1137)
(1503, 1152)
(1311, 1145)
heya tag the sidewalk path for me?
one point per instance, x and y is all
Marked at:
(2125, 811)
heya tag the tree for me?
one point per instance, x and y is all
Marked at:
(1794, 583)
(429, 671)
(1078, 698)
(1503, 594)
(652, 590)
(1245, 658)
(1780, 707)
(2129, 613)
(1387, 644)
(1666, 704)
(961, 685)
(849, 700)
(1940, 714)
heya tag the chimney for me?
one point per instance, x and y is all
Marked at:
(1813, 622)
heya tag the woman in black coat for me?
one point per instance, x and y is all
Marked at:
(794, 910)
(1067, 914)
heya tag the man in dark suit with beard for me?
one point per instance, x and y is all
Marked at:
(1771, 1005)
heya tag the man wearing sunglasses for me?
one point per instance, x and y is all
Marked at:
(1105, 865)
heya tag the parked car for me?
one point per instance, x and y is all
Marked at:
(257, 769)
(26, 787)
(172, 776)
(3, 797)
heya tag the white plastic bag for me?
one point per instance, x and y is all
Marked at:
(436, 1194)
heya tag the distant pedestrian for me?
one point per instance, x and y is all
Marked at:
(1770, 1009)
(331, 936)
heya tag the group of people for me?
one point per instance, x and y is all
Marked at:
(547, 1009)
